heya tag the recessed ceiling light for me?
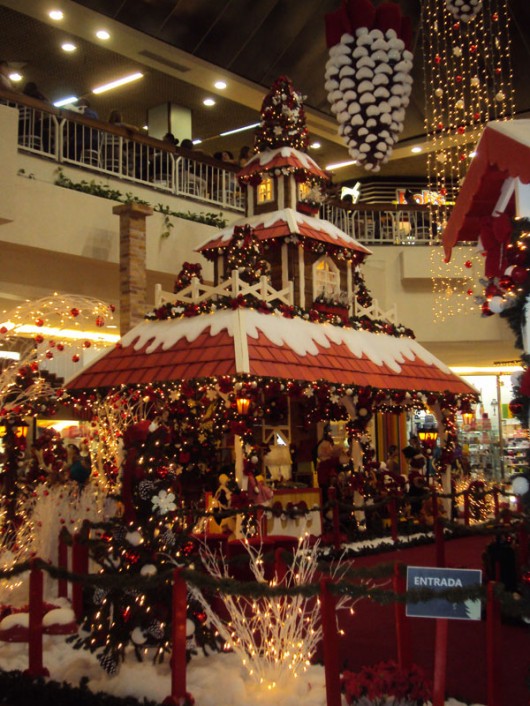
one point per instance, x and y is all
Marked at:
(102, 34)
(315, 145)
(66, 101)
(209, 102)
(145, 127)
(68, 47)
(15, 77)
(416, 149)
(118, 82)
(56, 15)
(220, 85)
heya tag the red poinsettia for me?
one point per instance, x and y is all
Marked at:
(386, 679)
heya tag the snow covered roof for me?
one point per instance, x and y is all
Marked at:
(244, 341)
(284, 222)
(281, 158)
(502, 152)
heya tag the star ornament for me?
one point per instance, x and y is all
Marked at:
(164, 502)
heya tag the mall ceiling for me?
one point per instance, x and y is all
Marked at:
(182, 46)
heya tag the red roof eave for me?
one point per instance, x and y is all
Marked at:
(498, 157)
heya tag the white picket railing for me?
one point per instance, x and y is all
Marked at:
(374, 311)
(198, 291)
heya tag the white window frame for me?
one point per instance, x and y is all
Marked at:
(326, 281)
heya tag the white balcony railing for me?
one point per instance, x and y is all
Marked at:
(68, 138)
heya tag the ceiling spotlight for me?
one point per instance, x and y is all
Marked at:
(315, 145)
(56, 15)
(220, 85)
(118, 82)
(15, 77)
(416, 149)
(145, 127)
(68, 47)
(102, 34)
(197, 141)
(209, 102)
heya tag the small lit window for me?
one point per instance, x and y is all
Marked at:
(326, 279)
(304, 190)
(266, 190)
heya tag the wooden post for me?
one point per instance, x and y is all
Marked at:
(392, 508)
(178, 695)
(36, 613)
(439, 543)
(330, 643)
(62, 558)
(493, 661)
(403, 633)
(440, 662)
(79, 566)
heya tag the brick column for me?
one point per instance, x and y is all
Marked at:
(133, 277)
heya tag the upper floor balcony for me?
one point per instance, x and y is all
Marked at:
(114, 152)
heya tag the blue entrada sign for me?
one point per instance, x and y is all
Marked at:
(435, 579)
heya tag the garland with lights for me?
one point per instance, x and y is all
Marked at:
(245, 254)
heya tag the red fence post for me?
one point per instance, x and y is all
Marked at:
(178, 695)
(62, 560)
(280, 567)
(403, 633)
(36, 613)
(439, 543)
(79, 566)
(523, 544)
(440, 662)
(330, 639)
(493, 662)
(466, 507)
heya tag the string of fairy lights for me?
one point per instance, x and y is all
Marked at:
(468, 81)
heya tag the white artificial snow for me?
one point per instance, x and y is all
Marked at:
(216, 680)
(266, 157)
(299, 335)
(294, 220)
(59, 616)
(15, 620)
(518, 130)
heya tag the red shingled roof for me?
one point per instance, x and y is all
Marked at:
(278, 159)
(502, 152)
(247, 342)
(287, 222)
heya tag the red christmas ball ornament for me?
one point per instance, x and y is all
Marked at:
(440, 126)
(473, 48)
(486, 311)
(468, 264)
(112, 308)
(476, 116)
(39, 338)
(437, 59)
(3, 330)
(60, 347)
(519, 274)
(443, 191)
(34, 366)
(461, 130)
(74, 312)
(495, 17)
(456, 25)
(87, 344)
(51, 344)
(469, 292)
(515, 407)
(492, 290)
(49, 355)
(100, 321)
(498, 70)
(506, 283)
(75, 358)
(458, 78)
(39, 322)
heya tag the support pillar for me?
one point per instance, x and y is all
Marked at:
(133, 276)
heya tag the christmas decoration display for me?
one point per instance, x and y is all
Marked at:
(464, 10)
(384, 681)
(468, 83)
(244, 253)
(282, 118)
(368, 77)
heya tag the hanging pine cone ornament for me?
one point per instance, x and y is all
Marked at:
(464, 10)
(368, 77)
(109, 662)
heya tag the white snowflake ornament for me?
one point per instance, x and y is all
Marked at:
(164, 502)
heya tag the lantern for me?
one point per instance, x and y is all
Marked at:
(243, 405)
